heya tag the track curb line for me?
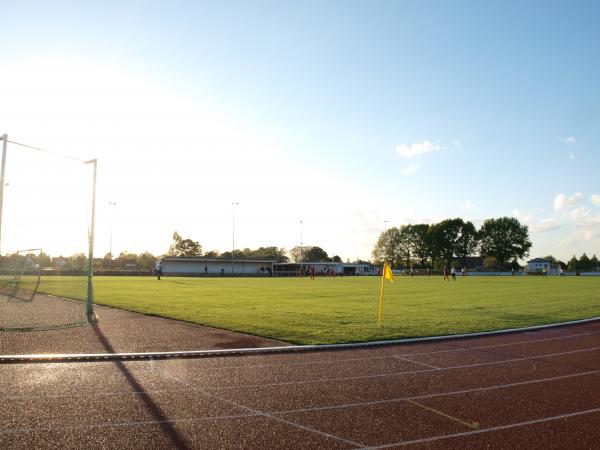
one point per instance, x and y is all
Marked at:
(96, 357)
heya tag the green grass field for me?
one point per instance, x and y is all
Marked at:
(332, 310)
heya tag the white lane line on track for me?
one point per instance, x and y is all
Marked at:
(120, 424)
(260, 413)
(291, 411)
(322, 380)
(437, 394)
(487, 430)
(393, 374)
(403, 358)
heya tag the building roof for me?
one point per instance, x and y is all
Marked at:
(218, 260)
(538, 260)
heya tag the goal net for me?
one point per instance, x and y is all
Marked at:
(45, 276)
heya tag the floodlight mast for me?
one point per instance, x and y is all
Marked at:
(301, 248)
(90, 289)
(234, 204)
(4, 139)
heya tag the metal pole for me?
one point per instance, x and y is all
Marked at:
(112, 214)
(4, 139)
(233, 238)
(301, 249)
(90, 289)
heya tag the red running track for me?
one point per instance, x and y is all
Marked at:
(524, 390)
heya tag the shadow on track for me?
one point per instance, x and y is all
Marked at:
(168, 429)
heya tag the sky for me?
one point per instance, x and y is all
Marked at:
(347, 116)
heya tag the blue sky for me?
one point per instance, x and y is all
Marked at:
(339, 114)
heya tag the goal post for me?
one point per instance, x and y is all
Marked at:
(47, 205)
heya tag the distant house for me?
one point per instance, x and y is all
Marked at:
(538, 265)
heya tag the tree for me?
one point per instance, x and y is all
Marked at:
(387, 247)
(77, 261)
(238, 254)
(212, 254)
(434, 244)
(448, 235)
(184, 247)
(43, 260)
(491, 262)
(404, 245)
(126, 260)
(584, 263)
(308, 254)
(573, 265)
(107, 261)
(594, 263)
(145, 261)
(275, 253)
(514, 265)
(467, 241)
(336, 259)
(316, 254)
(418, 233)
(296, 254)
(504, 238)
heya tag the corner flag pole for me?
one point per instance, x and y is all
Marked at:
(386, 275)
(380, 321)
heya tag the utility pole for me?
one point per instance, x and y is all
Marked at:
(4, 139)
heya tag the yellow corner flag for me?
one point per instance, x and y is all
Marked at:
(386, 275)
(387, 272)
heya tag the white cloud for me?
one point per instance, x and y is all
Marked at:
(408, 169)
(524, 216)
(468, 205)
(544, 225)
(561, 201)
(456, 143)
(570, 140)
(579, 213)
(416, 148)
(586, 229)
(595, 199)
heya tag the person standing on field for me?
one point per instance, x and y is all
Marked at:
(446, 273)
(453, 272)
(158, 269)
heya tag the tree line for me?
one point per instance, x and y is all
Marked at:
(432, 245)
(179, 247)
(190, 248)
(583, 264)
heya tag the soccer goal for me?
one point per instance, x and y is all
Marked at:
(47, 207)
(20, 275)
